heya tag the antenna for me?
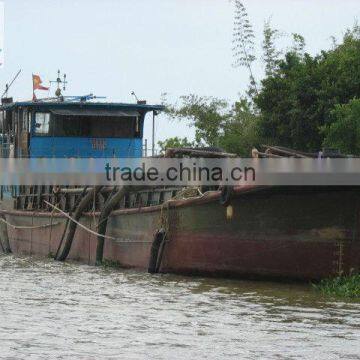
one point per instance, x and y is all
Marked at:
(59, 83)
(133, 94)
(140, 102)
(7, 86)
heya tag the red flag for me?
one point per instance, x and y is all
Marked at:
(37, 83)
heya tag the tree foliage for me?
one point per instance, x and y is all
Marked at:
(175, 142)
(297, 100)
(244, 43)
(299, 44)
(233, 128)
(271, 55)
(241, 130)
(206, 114)
(304, 101)
(343, 132)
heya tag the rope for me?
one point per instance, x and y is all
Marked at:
(188, 192)
(28, 227)
(163, 221)
(185, 193)
(94, 232)
(78, 223)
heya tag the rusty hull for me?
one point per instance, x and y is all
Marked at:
(289, 233)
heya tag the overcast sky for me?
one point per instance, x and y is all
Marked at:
(111, 47)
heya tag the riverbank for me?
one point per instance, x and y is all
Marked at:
(341, 286)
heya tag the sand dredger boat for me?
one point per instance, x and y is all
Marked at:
(274, 232)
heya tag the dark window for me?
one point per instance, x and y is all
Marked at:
(87, 126)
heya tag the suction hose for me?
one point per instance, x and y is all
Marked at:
(103, 219)
(4, 238)
(156, 252)
(68, 235)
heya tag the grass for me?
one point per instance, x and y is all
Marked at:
(341, 286)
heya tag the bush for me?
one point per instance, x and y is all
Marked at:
(343, 286)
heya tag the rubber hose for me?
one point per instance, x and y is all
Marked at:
(4, 237)
(71, 228)
(103, 219)
(155, 259)
(77, 202)
(226, 195)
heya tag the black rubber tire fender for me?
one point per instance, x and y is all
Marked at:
(226, 195)
(156, 253)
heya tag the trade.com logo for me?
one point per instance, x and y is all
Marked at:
(2, 30)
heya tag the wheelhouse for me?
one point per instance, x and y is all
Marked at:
(73, 129)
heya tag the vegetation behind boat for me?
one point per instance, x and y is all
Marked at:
(342, 286)
(303, 102)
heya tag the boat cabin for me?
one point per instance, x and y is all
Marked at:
(72, 129)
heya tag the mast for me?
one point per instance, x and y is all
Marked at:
(59, 83)
(7, 87)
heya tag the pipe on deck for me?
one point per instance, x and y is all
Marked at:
(103, 219)
(68, 235)
(4, 237)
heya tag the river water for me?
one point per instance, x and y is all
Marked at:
(70, 311)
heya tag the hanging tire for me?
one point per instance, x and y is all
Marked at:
(226, 195)
(156, 253)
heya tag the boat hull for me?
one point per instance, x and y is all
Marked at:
(295, 233)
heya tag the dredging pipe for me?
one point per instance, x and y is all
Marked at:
(70, 229)
(103, 219)
(156, 251)
(4, 237)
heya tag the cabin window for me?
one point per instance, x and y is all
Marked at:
(95, 127)
(42, 121)
(59, 125)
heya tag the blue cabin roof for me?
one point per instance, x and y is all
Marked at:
(142, 108)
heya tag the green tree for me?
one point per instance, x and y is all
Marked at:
(241, 130)
(244, 43)
(344, 131)
(299, 44)
(235, 129)
(271, 55)
(297, 100)
(294, 106)
(175, 142)
(206, 114)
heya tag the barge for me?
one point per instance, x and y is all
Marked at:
(297, 233)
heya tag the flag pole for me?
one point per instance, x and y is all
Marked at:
(34, 96)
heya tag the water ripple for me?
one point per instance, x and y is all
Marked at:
(63, 311)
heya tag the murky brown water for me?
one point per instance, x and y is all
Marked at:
(53, 310)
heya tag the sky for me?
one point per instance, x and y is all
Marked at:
(113, 47)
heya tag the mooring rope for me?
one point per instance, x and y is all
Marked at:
(28, 227)
(184, 194)
(78, 223)
(94, 232)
